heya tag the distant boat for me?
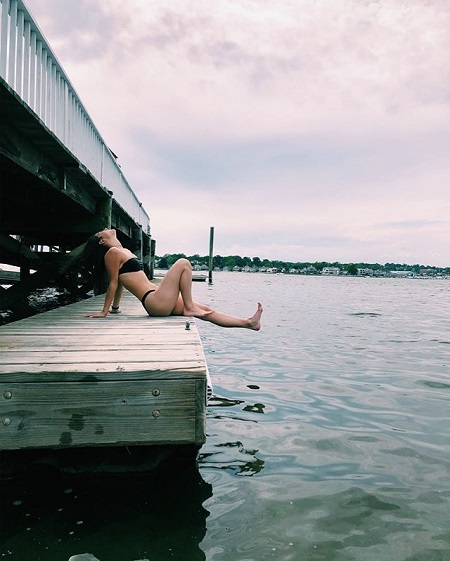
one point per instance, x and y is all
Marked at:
(198, 277)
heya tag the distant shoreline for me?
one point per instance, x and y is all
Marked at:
(393, 275)
(258, 265)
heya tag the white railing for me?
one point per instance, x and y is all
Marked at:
(29, 67)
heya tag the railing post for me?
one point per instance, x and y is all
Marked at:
(26, 61)
(19, 53)
(12, 44)
(4, 38)
(33, 70)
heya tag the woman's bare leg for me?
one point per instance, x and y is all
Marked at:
(174, 297)
(225, 320)
(166, 299)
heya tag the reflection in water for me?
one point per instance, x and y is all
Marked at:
(365, 314)
(256, 408)
(434, 385)
(232, 456)
(217, 401)
(158, 516)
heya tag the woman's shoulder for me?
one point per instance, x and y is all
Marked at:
(120, 253)
(116, 253)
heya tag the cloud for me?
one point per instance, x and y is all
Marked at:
(276, 122)
(289, 67)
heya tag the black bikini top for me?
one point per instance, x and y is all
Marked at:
(131, 266)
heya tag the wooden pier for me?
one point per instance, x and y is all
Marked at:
(131, 380)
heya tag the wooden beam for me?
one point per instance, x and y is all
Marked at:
(15, 250)
(41, 278)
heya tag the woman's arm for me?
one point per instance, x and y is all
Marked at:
(116, 301)
(112, 264)
(109, 297)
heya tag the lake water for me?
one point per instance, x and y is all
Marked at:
(328, 439)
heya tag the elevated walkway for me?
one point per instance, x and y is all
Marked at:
(60, 182)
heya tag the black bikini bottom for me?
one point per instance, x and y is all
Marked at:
(144, 297)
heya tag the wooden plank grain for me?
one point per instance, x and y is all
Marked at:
(124, 367)
(106, 413)
(121, 374)
(110, 356)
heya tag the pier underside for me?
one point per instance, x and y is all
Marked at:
(50, 204)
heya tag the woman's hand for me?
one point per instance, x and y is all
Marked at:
(97, 315)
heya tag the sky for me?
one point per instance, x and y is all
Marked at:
(301, 130)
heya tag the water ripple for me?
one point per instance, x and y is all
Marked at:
(351, 424)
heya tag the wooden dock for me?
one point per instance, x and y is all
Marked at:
(126, 380)
(196, 277)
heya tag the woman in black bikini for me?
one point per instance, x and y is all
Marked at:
(172, 297)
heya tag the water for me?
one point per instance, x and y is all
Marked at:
(328, 439)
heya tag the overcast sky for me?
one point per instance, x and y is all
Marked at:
(302, 130)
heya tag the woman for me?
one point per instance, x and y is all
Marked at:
(172, 297)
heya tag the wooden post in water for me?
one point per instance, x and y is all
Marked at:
(211, 244)
(151, 264)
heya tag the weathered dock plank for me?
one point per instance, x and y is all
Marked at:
(128, 379)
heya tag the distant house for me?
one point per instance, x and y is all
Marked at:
(365, 272)
(310, 270)
(331, 271)
(427, 272)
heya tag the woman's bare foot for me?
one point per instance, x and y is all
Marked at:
(255, 321)
(197, 311)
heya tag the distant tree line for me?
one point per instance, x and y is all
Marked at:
(231, 262)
